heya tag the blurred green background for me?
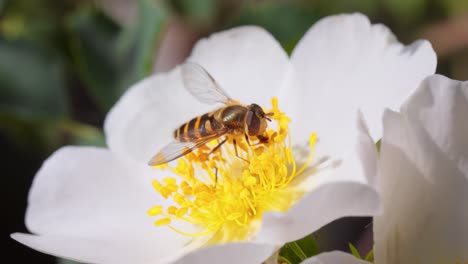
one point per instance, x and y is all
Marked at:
(64, 63)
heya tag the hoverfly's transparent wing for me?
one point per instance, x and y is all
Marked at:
(177, 149)
(202, 85)
(171, 152)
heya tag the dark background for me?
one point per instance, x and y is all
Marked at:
(64, 63)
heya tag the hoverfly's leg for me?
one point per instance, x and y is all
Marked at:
(247, 139)
(218, 146)
(237, 153)
(213, 150)
(262, 139)
(216, 177)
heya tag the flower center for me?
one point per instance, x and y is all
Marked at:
(224, 194)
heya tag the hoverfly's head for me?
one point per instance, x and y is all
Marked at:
(256, 120)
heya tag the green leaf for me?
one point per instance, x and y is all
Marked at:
(81, 134)
(37, 21)
(66, 261)
(138, 45)
(201, 13)
(328, 7)
(284, 260)
(354, 251)
(289, 254)
(405, 12)
(32, 81)
(299, 250)
(108, 58)
(370, 256)
(41, 136)
(92, 44)
(287, 21)
(454, 7)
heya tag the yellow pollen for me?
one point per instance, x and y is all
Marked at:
(156, 210)
(162, 221)
(225, 196)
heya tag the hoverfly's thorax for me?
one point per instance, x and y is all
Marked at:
(233, 116)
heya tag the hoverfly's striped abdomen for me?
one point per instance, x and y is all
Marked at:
(197, 128)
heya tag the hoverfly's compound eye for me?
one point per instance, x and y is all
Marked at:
(255, 120)
(258, 110)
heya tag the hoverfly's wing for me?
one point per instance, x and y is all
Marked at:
(176, 149)
(202, 85)
(171, 152)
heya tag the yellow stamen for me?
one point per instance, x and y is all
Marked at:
(162, 221)
(225, 196)
(312, 142)
(155, 210)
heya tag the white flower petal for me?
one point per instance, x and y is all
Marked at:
(324, 204)
(89, 250)
(74, 248)
(334, 257)
(363, 161)
(247, 62)
(343, 63)
(334, 193)
(143, 120)
(230, 253)
(439, 109)
(424, 182)
(85, 194)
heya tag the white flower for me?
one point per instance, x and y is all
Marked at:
(423, 180)
(89, 204)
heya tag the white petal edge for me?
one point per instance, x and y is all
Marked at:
(334, 257)
(440, 107)
(333, 193)
(247, 61)
(235, 253)
(318, 208)
(103, 252)
(424, 184)
(344, 63)
(86, 194)
(85, 250)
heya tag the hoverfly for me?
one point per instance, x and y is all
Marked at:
(233, 120)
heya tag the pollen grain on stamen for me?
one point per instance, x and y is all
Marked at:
(225, 196)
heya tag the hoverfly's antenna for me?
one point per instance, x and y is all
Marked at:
(267, 116)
